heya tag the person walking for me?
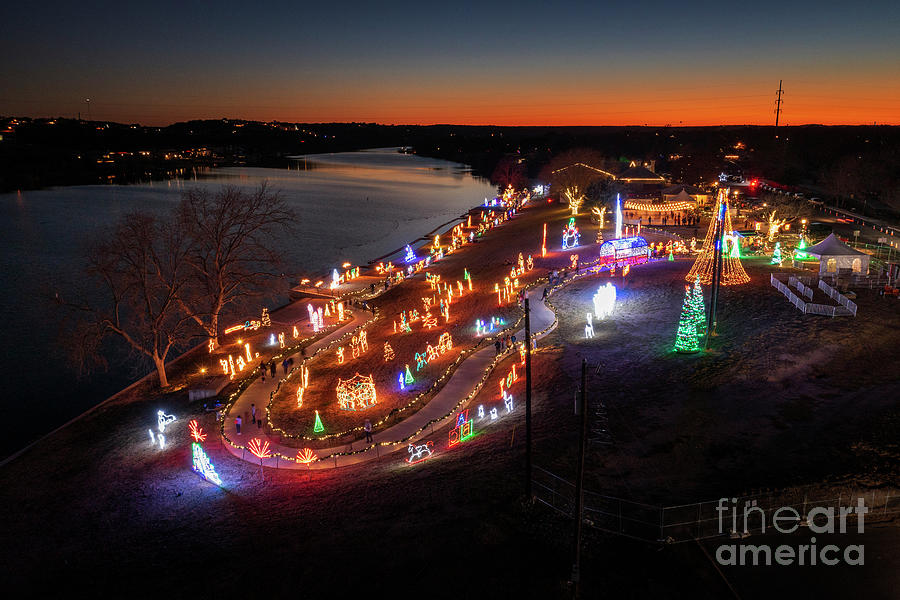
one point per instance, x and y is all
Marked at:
(284, 366)
(544, 295)
(497, 346)
(367, 427)
(237, 424)
(272, 368)
(252, 413)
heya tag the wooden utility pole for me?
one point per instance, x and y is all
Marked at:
(579, 480)
(527, 400)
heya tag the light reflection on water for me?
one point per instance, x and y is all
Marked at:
(352, 207)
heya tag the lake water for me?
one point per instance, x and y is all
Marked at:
(352, 207)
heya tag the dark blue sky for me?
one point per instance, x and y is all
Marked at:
(460, 62)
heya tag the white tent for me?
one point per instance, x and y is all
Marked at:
(833, 254)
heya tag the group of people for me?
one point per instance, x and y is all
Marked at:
(504, 343)
(672, 218)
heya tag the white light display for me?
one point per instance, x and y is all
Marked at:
(481, 411)
(604, 300)
(589, 328)
(494, 414)
(420, 452)
(509, 403)
(203, 466)
(162, 419)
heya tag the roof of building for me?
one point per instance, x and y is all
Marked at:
(674, 190)
(638, 173)
(832, 246)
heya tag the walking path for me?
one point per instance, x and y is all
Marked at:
(462, 386)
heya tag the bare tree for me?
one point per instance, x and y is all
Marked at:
(138, 268)
(233, 250)
(509, 172)
(571, 174)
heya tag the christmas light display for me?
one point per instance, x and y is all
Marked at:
(401, 379)
(388, 352)
(356, 393)
(604, 300)
(340, 308)
(265, 320)
(481, 411)
(508, 402)
(300, 391)
(296, 332)
(629, 250)
(318, 427)
(776, 255)
(196, 431)
(589, 328)
(409, 376)
(618, 217)
(698, 307)
(280, 339)
(340, 355)
(420, 452)
(732, 272)
(157, 438)
(733, 243)
(686, 337)
(410, 255)
(494, 414)
(464, 429)
(799, 254)
(544, 242)
(259, 449)
(203, 466)
(162, 419)
(573, 260)
(306, 456)
(570, 236)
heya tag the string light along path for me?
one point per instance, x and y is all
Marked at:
(441, 408)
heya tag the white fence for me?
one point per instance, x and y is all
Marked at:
(843, 300)
(810, 308)
(803, 289)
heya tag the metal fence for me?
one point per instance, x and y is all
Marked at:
(701, 520)
(811, 308)
(803, 289)
(843, 300)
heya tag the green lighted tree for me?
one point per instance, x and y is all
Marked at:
(776, 255)
(698, 307)
(318, 427)
(686, 338)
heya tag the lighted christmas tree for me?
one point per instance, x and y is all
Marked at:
(698, 307)
(318, 428)
(671, 256)
(388, 352)
(686, 338)
(409, 376)
(732, 271)
(801, 246)
(776, 256)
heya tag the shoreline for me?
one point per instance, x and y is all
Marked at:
(190, 351)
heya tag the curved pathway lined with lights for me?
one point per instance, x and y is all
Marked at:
(463, 384)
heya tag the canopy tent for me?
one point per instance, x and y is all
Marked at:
(833, 254)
